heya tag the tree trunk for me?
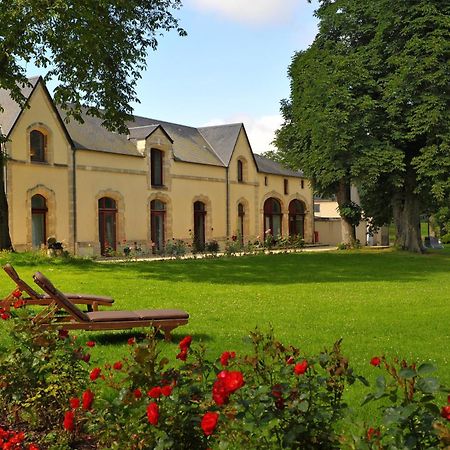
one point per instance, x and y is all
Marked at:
(5, 240)
(406, 211)
(348, 231)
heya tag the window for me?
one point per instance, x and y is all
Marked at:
(156, 167)
(296, 218)
(158, 216)
(285, 183)
(302, 184)
(241, 214)
(199, 225)
(240, 171)
(272, 217)
(266, 181)
(317, 207)
(38, 144)
(107, 214)
(38, 220)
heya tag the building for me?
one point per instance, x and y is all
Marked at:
(95, 190)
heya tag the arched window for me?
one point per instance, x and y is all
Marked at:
(38, 144)
(199, 225)
(272, 217)
(297, 218)
(156, 167)
(107, 217)
(241, 214)
(158, 216)
(240, 171)
(38, 220)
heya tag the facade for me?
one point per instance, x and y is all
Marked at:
(96, 190)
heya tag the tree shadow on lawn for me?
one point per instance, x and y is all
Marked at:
(279, 269)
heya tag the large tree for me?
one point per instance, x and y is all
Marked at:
(96, 49)
(370, 104)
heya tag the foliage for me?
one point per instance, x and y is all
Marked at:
(352, 212)
(97, 52)
(212, 247)
(275, 397)
(38, 375)
(369, 106)
(445, 239)
(175, 247)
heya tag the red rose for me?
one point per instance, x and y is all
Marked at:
(371, 432)
(74, 403)
(90, 344)
(232, 380)
(375, 361)
(19, 303)
(445, 412)
(153, 413)
(86, 357)
(137, 393)
(185, 343)
(95, 373)
(5, 315)
(301, 368)
(209, 422)
(87, 398)
(33, 447)
(17, 293)
(277, 391)
(225, 357)
(166, 390)
(131, 341)
(290, 360)
(182, 355)
(69, 421)
(117, 365)
(448, 399)
(219, 393)
(154, 392)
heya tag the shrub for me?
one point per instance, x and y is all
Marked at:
(212, 246)
(445, 239)
(175, 247)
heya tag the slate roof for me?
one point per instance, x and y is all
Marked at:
(212, 145)
(188, 143)
(11, 109)
(266, 165)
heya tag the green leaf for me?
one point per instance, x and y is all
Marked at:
(428, 385)
(426, 368)
(407, 373)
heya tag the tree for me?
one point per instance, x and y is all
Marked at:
(369, 105)
(96, 49)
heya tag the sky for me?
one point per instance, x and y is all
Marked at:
(231, 67)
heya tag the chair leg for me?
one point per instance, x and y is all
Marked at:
(167, 332)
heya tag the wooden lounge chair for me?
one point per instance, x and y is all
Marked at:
(162, 319)
(92, 301)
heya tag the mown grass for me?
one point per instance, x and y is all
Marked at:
(377, 301)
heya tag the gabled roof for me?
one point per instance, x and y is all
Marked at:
(145, 131)
(266, 165)
(188, 143)
(222, 139)
(11, 109)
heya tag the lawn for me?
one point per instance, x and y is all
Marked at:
(378, 301)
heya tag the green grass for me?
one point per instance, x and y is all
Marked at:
(379, 302)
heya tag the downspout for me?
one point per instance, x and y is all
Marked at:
(74, 200)
(227, 211)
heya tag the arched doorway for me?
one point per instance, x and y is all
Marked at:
(158, 216)
(199, 225)
(297, 218)
(272, 217)
(38, 220)
(107, 217)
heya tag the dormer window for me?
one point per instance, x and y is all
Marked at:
(156, 167)
(38, 145)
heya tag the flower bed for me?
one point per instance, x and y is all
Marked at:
(53, 396)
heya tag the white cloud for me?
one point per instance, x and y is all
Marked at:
(254, 12)
(260, 130)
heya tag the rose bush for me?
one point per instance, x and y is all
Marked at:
(276, 397)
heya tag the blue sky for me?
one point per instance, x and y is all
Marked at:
(232, 66)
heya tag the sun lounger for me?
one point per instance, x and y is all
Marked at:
(162, 319)
(34, 298)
